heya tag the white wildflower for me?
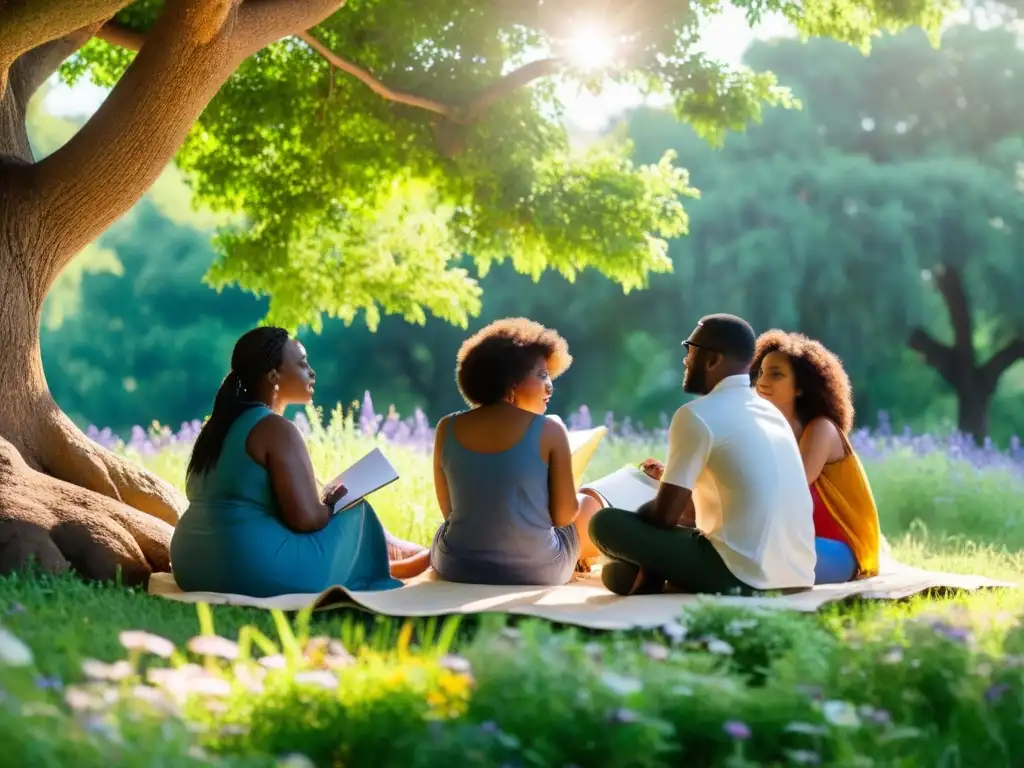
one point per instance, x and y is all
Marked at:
(13, 652)
(214, 645)
(620, 684)
(98, 670)
(655, 651)
(840, 713)
(808, 729)
(144, 641)
(719, 647)
(295, 760)
(320, 677)
(739, 626)
(674, 631)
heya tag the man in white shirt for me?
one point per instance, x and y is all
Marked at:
(733, 513)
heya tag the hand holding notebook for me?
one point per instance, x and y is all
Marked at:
(369, 474)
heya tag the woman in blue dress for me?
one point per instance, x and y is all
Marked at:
(256, 524)
(503, 470)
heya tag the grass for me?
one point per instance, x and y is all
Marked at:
(923, 682)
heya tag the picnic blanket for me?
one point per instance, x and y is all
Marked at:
(583, 602)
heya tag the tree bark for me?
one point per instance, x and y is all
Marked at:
(65, 502)
(974, 383)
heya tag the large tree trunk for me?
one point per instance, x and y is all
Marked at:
(66, 502)
(974, 383)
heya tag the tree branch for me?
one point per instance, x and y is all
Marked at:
(514, 80)
(28, 24)
(116, 156)
(951, 286)
(372, 82)
(270, 16)
(35, 67)
(121, 36)
(1001, 361)
(266, 21)
(937, 355)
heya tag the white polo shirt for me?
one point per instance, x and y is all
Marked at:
(738, 455)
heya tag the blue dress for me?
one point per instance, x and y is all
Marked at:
(231, 538)
(499, 530)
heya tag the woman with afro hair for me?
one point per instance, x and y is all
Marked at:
(503, 470)
(807, 383)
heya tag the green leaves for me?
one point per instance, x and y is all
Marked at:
(354, 204)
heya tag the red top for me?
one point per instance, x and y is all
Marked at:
(825, 526)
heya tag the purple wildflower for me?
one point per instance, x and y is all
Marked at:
(736, 730)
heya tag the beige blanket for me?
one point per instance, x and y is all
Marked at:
(583, 602)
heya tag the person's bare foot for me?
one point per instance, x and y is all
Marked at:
(412, 566)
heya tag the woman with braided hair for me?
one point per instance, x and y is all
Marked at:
(807, 383)
(256, 524)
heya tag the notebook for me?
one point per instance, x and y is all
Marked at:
(369, 474)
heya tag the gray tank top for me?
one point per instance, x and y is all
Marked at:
(500, 518)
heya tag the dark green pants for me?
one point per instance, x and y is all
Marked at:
(683, 557)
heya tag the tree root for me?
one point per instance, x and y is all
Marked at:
(71, 456)
(56, 526)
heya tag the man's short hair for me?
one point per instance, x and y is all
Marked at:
(728, 335)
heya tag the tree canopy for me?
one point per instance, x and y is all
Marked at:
(372, 153)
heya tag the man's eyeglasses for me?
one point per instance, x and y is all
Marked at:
(689, 344)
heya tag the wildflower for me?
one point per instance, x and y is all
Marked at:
(840, 713)
(893, 656)
(655, 651)
(144, 641)
(103, 728)
(808, 729)
(44, 683)
(803, 757)
(456, 664)
(15, 609)
(214, 645)
(674, 631)
(80, 699)
(321, 677)
(876, 716)
(956, 634)
(623, 686)
(736, 730)
(595, 651)
(489, 727)
(250, 676)
(623, 716)
(98, 670)
(295, 760)
(739, 626)
(13, 652)
(719, 647)
(995, 692)
(277, 661)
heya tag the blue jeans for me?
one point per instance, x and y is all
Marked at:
(836, 563)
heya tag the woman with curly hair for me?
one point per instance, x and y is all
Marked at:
(807, 383)
(503, 471)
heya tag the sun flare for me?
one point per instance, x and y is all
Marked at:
(590, 47)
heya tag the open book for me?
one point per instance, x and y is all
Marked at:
(369, 474)
(626, 488)
(583, 444)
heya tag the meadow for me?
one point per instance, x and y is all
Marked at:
(103, 676)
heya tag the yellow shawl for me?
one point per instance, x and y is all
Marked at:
(846, 492)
